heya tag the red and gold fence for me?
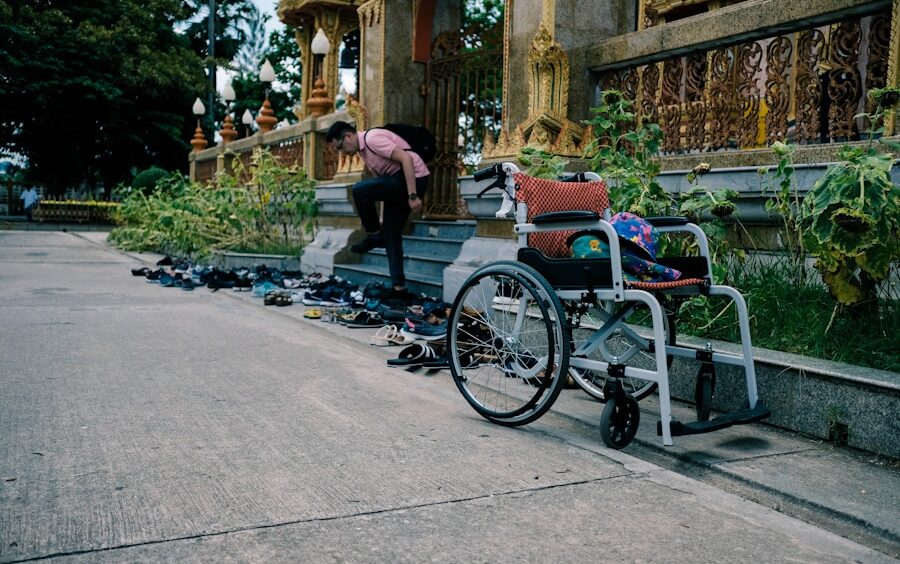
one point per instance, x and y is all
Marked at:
(803, 87)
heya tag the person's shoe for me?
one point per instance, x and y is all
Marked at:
(371, 241)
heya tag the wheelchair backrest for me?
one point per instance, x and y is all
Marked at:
(541, 196)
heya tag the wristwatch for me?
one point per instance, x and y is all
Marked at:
(413, 197)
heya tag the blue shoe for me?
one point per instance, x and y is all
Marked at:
(263, 288)
(424, 331)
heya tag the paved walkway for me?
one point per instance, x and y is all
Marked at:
(146, 423)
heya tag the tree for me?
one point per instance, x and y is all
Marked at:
(281, 50)
(91, 89)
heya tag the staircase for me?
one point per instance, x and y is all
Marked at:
(428, 249)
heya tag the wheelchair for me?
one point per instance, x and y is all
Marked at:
(519, 328)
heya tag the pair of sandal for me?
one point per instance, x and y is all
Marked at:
(362, 319)
(277, 298)
(419, 355)
(388, 336)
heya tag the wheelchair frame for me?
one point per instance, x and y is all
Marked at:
(617, 301)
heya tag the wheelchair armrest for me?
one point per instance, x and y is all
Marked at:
(667, 221)
(564, 217)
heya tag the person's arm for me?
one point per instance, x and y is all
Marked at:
(406, 163)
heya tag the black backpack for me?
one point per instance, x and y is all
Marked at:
(420, 140)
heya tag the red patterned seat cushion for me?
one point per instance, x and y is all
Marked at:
(542, 196)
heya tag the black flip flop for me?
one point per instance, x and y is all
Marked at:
(437, 363)
(413, 356)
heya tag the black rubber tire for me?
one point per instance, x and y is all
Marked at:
(703, 396)
(488, 367)
(619, 421)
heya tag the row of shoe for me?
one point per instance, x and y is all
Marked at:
(260, 279)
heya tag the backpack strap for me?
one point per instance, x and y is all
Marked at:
(386, 129)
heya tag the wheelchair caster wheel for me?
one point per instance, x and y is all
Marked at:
(703, 391)
(619, 421)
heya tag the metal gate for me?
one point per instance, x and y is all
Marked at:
(463, 84)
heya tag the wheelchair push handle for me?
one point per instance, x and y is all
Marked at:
(488, 172)
(503, 173)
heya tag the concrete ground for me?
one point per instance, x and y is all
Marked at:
(140, 423)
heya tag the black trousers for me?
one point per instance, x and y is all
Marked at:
(392, 191)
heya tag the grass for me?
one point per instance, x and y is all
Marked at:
(791, 311)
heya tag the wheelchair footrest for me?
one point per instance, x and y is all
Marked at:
(739, 417)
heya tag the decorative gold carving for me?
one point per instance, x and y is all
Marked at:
(778, 95)
(810, 49)
(804, 87)
(721, 93)
(670, 98)
(547, 126)
(844, 81)
(893, 67)
(695, 109)
(288, 152)
(879, 49)
(549, 75)
(749, 61)
(649, 89)
(199, 141)
(370, 13)
(352, 163)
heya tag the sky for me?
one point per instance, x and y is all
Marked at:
(268, 7)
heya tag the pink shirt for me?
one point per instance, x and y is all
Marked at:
(376, 145)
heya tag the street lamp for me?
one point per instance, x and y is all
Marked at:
(318, 102)
(199, 141)
(247, 120)
(228, 133)
(266, 117)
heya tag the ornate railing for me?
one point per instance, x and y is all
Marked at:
(804, 87)
(464, 80)
(287, 145)
(206, 170)
(74, 211)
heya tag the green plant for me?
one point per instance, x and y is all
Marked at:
(262, 208)
(850, 219)
(542, 164)
(623, 152)
(146, 180)
(786, 203)
(712, 210)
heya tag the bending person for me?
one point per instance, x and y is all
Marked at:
(401, 181)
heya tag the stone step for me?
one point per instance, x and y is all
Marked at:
(362, 274)
(426, 264)
(444, 249)
(443, 230)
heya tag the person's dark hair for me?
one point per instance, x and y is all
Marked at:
(337, 131)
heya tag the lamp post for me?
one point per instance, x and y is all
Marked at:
(199, 141)
(247, 120)
(318, 102)
(266, 117)
(228, 133)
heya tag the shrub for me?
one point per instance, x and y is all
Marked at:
(146, 180)
(266, 208)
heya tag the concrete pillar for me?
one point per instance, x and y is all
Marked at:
(392, 80)
(547, 89)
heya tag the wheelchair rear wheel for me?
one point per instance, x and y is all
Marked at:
(508, 348)
(628, 345)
